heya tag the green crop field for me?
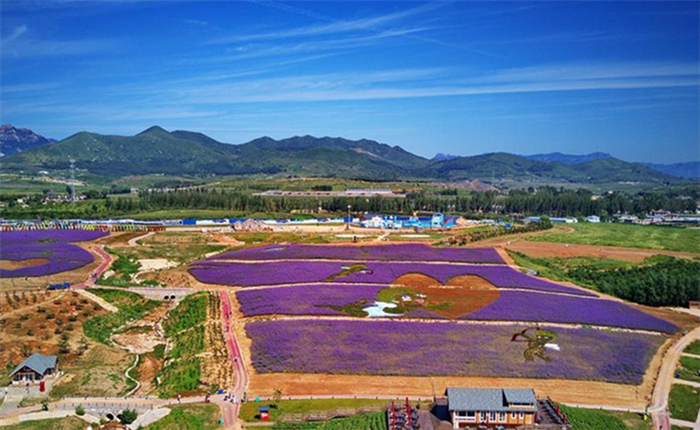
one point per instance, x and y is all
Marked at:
(591, 419)
(196, 416)
(689, 368)
(693, 348)
(625, 235)
(373, 421)
(684, 402)
(249, 411)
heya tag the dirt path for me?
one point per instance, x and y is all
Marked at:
(241, 374)
(133, 242)
(97, 299)
(659, 402)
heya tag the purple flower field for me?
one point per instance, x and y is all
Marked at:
(538, 307)
(400, 252)
(293, 272)
(52, 245)
(510, 306)
(424, 348)
(303, 299)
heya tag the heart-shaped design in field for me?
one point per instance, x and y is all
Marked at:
(460, 296)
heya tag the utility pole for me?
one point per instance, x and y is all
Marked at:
(349, 219)
(72, 181)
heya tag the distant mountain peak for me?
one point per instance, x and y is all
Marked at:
(444, 157)
(154, 129)
(14, 139)
(569, 158)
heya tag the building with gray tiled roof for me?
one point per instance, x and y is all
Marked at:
(35, 369)
(507, 407)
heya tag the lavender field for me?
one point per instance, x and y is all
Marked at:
(538, 307)
(52, 245)
(294, 272)
(311, 299)
(315, 299)
(396, 252)
(424, 348)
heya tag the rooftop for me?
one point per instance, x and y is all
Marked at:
(490, 399)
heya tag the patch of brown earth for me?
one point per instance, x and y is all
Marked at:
(37, 321)
(562, 250)
(416, 280)
(20, 264)
(460, 296)
(148, 369)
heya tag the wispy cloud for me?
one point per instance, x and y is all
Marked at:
(18, 44)
(432, 82)
(331, 27)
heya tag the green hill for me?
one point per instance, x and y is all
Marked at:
(185, 153)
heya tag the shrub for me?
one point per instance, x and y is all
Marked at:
(80, 411)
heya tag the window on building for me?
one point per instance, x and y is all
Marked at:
(483, 416)
(461, 413)
(492, 416)
(514, 415)
(471, 414)
(502, 416)
(522, 415)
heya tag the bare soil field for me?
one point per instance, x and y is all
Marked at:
(13, 265)
(37, 322)
(561, 250)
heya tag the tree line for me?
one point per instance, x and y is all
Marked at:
(543, 201)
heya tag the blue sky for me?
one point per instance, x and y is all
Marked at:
(454, 77)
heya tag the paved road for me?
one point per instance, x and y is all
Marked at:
(241, 374)
(659, 401)
(106, 261)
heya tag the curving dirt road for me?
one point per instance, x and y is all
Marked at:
(659, 401)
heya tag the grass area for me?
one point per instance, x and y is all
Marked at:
(558, 268)
(123, 266)
(372, 421)
(190, 312)
(693, 348)
(684, 402)
(249, 411)
(31, 401)
(196, 416)
(689, 369)
(186, 331)
(625, 235)
(98, 373)
(131, 307)
(675, 427)
(264, 238)
(593, 419)
(68, 423)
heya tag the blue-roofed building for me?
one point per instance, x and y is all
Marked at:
(34, 369)
(507, 407)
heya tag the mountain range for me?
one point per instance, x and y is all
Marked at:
(157, 151)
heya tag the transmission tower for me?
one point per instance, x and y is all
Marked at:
(72, 181)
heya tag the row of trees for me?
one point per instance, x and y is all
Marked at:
(669, 282)
(546, 200)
